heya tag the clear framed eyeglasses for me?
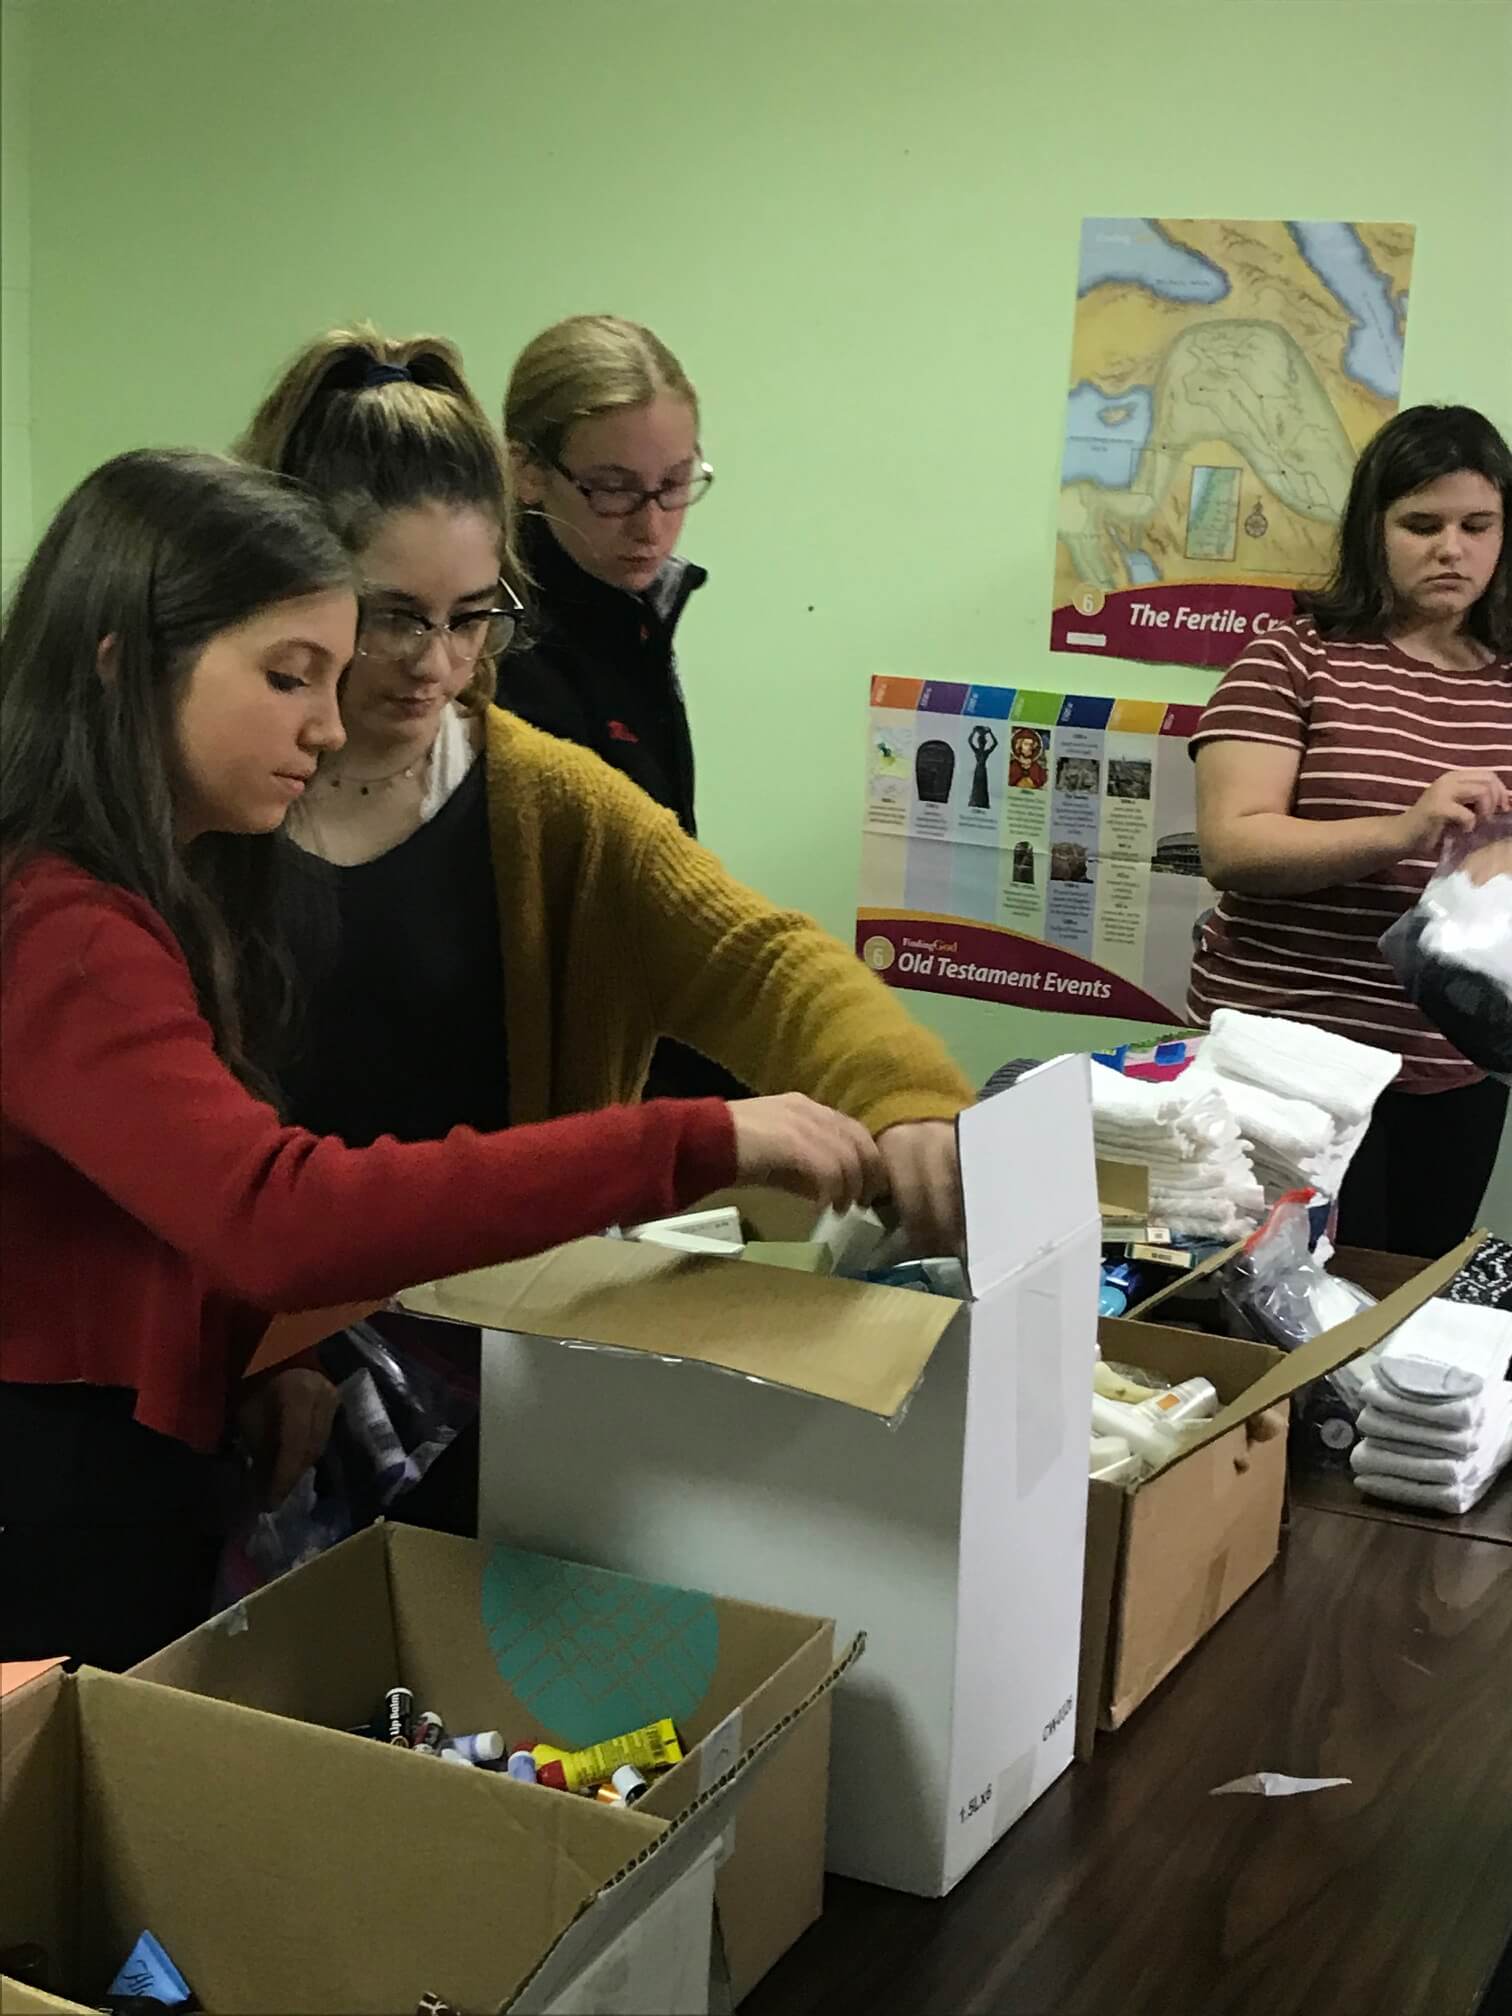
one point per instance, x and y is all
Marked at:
(476, 637)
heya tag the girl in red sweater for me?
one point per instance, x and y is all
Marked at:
(168, 682)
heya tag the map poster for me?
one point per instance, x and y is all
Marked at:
(1224, 378)
(1034, 849)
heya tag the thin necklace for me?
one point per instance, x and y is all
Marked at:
(366, 785)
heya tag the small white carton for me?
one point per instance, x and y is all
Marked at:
(941, 1507)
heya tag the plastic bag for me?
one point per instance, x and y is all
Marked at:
(1281, 1285)
(397, 1415)
(1453, 952)
(1285, 1296)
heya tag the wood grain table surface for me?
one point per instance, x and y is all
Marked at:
(1375, 1652)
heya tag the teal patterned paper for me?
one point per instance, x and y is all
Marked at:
(593, 1655)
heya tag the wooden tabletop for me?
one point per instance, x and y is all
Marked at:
(1374, 1652)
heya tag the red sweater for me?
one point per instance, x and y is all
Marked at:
(153, 1213)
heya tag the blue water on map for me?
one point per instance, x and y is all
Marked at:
(1373, 355)
(1142, 569)
(1135, 249)
(1105, 436)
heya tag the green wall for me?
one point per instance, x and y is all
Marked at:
(15, 290)
(857, 223)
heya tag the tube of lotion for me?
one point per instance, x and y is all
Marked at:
(653, 1748)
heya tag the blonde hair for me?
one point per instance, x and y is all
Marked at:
(578, 368)
(369, 444)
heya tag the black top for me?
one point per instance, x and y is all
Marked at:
(404, 1022)
(599, 669)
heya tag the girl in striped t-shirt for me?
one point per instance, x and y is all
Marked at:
(1332, 760)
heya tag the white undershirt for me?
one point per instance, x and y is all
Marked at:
(453, 754)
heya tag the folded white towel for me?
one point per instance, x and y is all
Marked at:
(1227, 1175)
(1433, 1417)
(1175, 1143)
(1289, 1130)
(1137, 1102)
(1132, 1109)
(1203, 1217)
(1300, 1062)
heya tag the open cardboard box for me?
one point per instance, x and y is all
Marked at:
(547, 1651)
(286, 1868)
(941, 1504)
(1168, 1557)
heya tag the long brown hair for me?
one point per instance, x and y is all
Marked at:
(375, 425)
(1417, 447)
(158, 552)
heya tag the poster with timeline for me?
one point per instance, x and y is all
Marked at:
(1034, 849)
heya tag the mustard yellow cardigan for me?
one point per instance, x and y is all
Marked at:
(617, 929)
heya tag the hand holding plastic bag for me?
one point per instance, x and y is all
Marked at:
(1453, 953)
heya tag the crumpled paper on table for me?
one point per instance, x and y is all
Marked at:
(1276, 1785)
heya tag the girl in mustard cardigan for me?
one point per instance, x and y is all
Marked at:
(518, 923)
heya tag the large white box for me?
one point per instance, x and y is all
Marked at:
(952, 1535)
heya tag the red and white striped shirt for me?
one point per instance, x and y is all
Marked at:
(1374, 728)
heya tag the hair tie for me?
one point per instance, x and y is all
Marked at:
(386, 374)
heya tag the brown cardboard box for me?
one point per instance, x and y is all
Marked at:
(1168, 1557)
(286, 1868)
(491, 1637)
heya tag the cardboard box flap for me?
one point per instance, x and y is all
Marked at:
(1335, 1347)
(1180, 1283)
(149, 1749)
(848, 1341)
(1123, 1191)
(1027, 1170)
(684, 1843)
(291, 1336)
(39, 1800)
(16, 1999)
(17, 1673)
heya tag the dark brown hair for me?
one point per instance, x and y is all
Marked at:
(1418, 447)
(158, 552)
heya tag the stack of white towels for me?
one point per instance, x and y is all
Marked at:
(1302, 1097)
(1202, 1186)
(1436, 1428)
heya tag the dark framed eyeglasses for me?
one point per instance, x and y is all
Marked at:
(476, 637)
(616, 499)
